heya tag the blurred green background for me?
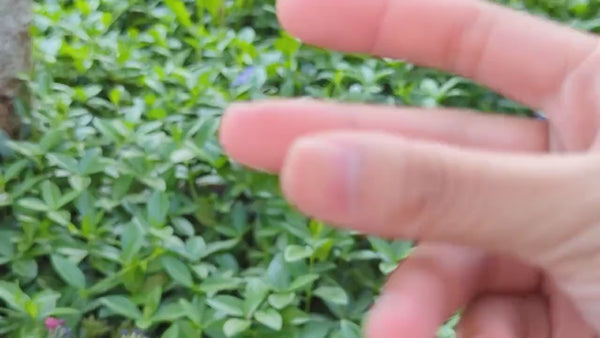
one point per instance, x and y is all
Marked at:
(118, 209)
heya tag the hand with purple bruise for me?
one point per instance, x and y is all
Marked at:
(506, 210)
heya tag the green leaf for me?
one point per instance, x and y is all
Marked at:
(63, 161)
(172, 331)
(323, 248)
(169, 312)
(178, 7)
(26, 268)
(152, 301)
(203, 270)
(64, 311)
(383, 247)
(294, 253)
(192, 311)
(349, 329)
(25, 148)
(270, 318)
(217, 284)
(115, 96)
(277, 273)
(303, 282)
(5, 199)
(218, 246)
(213, 6)
(182, 155)
(177, 270)
(287, 44)
(108, 129)
(235, 326)
(25, 186)
(13, 295)
(123, 306)
(15, 169)
(51, 194)
(240, 218)
(255, 293)
(295, 316)
(402, 249)
(7, 248)
(33, 204)
(281, 300)
(131, 241)
(195, 248)
(91, 163)
(62, 217)
(158, 208)
(67, 198)
(317, 329)
(45, 302)
(121, 186)
(227, 304)
(183, 226)
(68, 271)
(31, 309)
(387, 267)
(332, 294)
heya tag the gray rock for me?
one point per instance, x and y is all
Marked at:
(15, 53)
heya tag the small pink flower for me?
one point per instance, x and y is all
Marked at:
(53, 323)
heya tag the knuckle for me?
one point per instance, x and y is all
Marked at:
(423, 193)
(380, 28)
(578, 94)
(469, 41)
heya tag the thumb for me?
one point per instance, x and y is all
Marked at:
(389, 186)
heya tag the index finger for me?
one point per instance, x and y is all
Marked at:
(525, 58)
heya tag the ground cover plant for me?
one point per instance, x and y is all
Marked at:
(121, 217)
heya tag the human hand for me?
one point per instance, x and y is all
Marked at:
(507, 210)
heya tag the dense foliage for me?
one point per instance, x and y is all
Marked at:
(118, 209)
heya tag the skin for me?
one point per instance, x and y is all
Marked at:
(506, 210)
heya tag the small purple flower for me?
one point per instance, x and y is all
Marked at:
(244, 77)
(67, 333)
(53, 323)
(538, 115)
(57, 329)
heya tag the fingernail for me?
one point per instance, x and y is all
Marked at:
(321, 177)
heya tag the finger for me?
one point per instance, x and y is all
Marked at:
(499, 316)
(525, 58)
(385, 185)
(567, 319)
(435, 282)
(423, 292)
(259, 134)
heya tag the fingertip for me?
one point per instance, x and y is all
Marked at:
(382, 320)
(293, 16)
(229, 127)
(398, 315)
(258, 134)
(284, 8)
(246, 134)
